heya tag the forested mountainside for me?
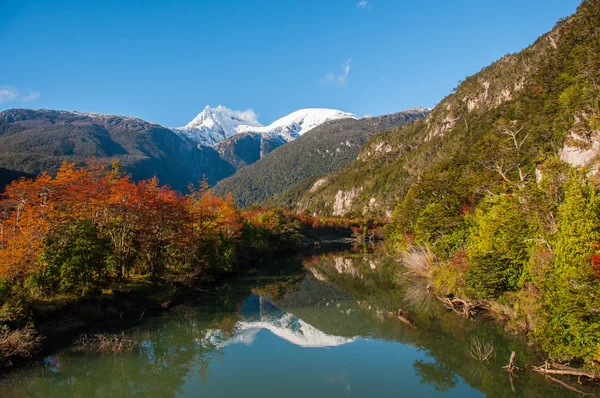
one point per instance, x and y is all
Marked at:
(36, 141)
(495, 195)
(324, 149)
(544, 95)
(244, 149)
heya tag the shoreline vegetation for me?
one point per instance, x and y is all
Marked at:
(520, 309)
(90, 245)
(495, 199)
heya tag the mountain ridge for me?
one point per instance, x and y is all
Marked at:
(214, 125)
(475, 115)
(323, 149)
(36, 141)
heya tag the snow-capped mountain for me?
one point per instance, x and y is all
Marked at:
(213, 125)
(297, 123)
(258, 313)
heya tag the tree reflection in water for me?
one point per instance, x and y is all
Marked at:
(338, 301)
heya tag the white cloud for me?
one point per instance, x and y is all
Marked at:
(342, 78)
(250, 115)
(364, 4)
(13, 94)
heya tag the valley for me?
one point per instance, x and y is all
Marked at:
(451, 250)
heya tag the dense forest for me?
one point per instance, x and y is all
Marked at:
(494, 196)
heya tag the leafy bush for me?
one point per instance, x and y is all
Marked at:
(497, 248)
(75, 259)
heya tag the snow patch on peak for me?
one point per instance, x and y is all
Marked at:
(213, 125)
(297, 123)
(216, 124)
(225, 117)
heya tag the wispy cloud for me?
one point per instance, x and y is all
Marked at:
(364, 4)
(250, 115)
(13, 94)
(342, 78)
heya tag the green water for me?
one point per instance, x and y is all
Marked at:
(324, 331)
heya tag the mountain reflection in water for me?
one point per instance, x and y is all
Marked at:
(327, 330)
(258, 313)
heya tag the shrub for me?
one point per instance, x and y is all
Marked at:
(497, 249)
(418, 260)
(18, 343)
(75, 260)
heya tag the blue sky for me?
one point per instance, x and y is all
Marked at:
(165, 60)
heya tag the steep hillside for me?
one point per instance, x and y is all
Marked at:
(34, 141)
(495, 196)
(243, 149)
(492, 133)
(323, 149)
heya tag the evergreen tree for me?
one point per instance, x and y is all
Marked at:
(572, 319)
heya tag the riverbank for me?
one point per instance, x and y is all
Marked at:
(521, 311)
(89, 243)
(336, 316)
(356, 295)
(127, 301)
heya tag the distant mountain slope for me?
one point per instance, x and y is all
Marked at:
(323, 149)
(214, 125)
(493, 132)
(243, 149)
(34, 141)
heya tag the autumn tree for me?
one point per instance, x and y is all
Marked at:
(163, 215)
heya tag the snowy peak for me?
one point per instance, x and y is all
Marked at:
(213, 125)
(224, 117)
(297, 123)
(217, 124)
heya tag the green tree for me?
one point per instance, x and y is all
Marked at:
(75, 260)
(497, 248)
(572, 316)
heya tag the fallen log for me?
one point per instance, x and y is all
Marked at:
(406, 321)
(460, 306)
(564, 371)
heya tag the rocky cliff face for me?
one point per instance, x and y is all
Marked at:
(497, 127)
(244, 149)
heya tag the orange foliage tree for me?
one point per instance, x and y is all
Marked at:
(146, 224)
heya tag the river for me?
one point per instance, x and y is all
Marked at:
(320, 326)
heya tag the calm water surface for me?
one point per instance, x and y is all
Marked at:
(324, 331)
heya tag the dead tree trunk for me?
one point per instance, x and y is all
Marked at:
(511, 363)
